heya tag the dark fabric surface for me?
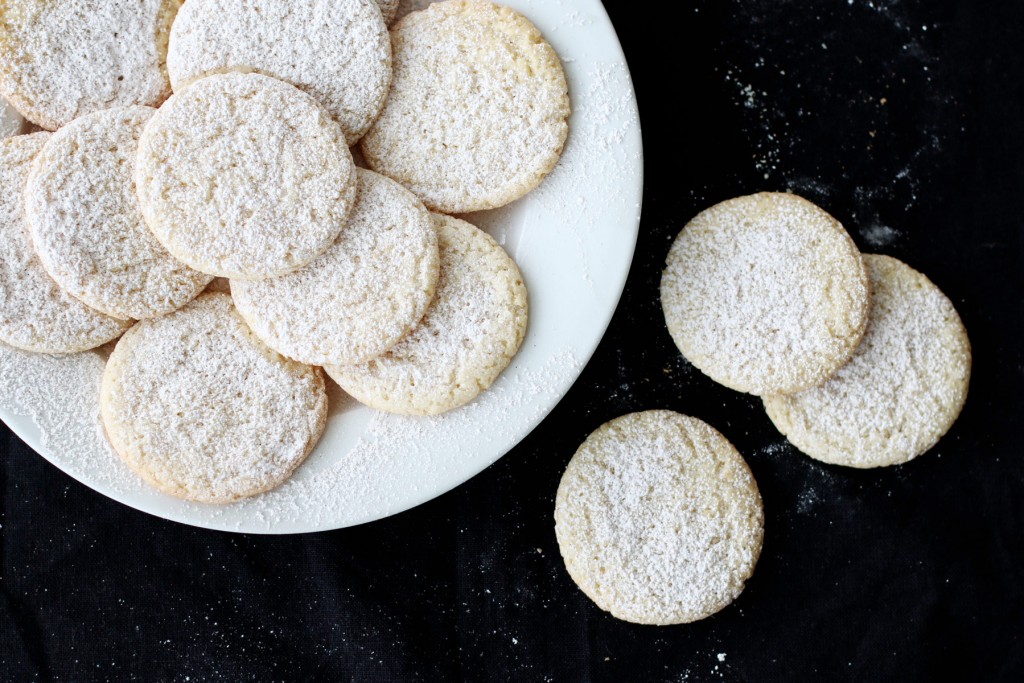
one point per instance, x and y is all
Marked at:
(905, 119)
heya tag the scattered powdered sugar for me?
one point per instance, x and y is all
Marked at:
(60, 394)
(765, 294)
(877, 235)
(603, 117)
(370, 288)
(659, 519)
(468, 336)
(903, 388)
(338, 52)
(371, 479)
(61, 60)
(35, 314)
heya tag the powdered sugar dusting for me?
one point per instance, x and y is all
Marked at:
(35, 314)
(203, 410)
(476, 117)
(363, 483)
(765, 294)
(244, 176)
(902, 389)
(87, 225)
(659, 519)
(337, 51)
(361, 296)
(61, 60)
(878, 235)
(60, 394)
(468, 335)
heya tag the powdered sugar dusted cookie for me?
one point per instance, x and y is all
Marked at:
(765, 294)
(478, 110)
(61, 60)
(336, 51)
(365, 293)
(659, 519)
(202, 409)
(903, 388)
(88, 228)
(468, 336)
(36, 314)
(244, 176)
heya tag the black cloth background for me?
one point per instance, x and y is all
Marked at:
(905, 119)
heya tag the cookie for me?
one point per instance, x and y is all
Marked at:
(359, 298)
(11, 122)
(467, 337)
(659, 519)
(36, 314)
(388, 9)
(201, 409)
(337, 51)
(62, 60)
(478, 111)
(244, 176)
(765, 294)
(86, 224)
(903, 388)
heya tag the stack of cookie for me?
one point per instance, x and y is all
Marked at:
(116, 224)
(860, 360)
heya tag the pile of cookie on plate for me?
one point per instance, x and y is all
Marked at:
(123, 221)
(191, 193)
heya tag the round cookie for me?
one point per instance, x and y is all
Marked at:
(467, 337)
(61, 60)
(659, 519)
(244, 176)
(765, 294)
(87, 226)
(201, 409)
(478, 110)
(903, 388)
(388, 9)
(337, 51)
(363, 294)
(36, 314)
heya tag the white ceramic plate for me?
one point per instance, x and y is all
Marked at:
(573, 238)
